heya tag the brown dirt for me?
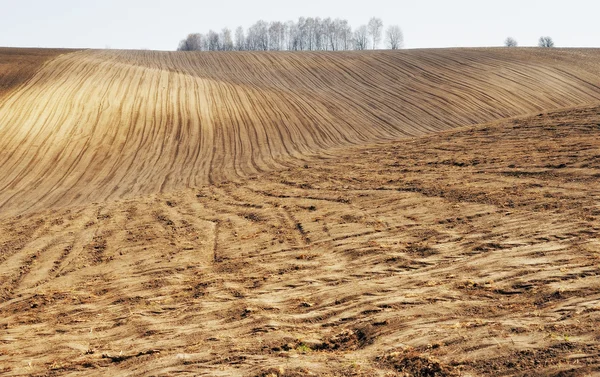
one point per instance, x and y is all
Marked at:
(466, 252)
(104, 125)
(18, 65)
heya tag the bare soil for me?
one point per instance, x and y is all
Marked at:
(18, 65)
(468, 252)
(472, 251)
(92, 126)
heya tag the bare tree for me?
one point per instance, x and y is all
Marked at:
(375, 28)
(226, 41)
(183, 45)
(276, 36)
(301, 34)
(309, 35)
(345, 35)
(319, 35)
(214, 42)
(329, 34)
(291, 30)
(545, 42)
(282, 35)
(257, 38)
(262, 28)
(193, 42)
(252, 39)
(196, 41)
(240, 39)
(510, 42)
(394, 37)
(361, 38)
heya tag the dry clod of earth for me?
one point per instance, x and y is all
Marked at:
(387, 213)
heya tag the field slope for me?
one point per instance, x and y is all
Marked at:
(98, 125)
(413, 213)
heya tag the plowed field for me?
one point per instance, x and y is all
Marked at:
(420, 213)
(99, 125)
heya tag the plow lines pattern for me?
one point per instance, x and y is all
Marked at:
(99, 125)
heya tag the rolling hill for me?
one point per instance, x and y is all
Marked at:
(387, 213)
(98, 125)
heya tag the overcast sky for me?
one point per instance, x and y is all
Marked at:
(159, 25)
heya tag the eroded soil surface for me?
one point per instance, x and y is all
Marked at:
(467, 252)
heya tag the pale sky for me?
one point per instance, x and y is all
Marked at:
(160, 25)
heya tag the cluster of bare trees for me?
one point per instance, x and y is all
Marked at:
(307, 34)
(545, 42)
(510, 42)
(542, 42)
